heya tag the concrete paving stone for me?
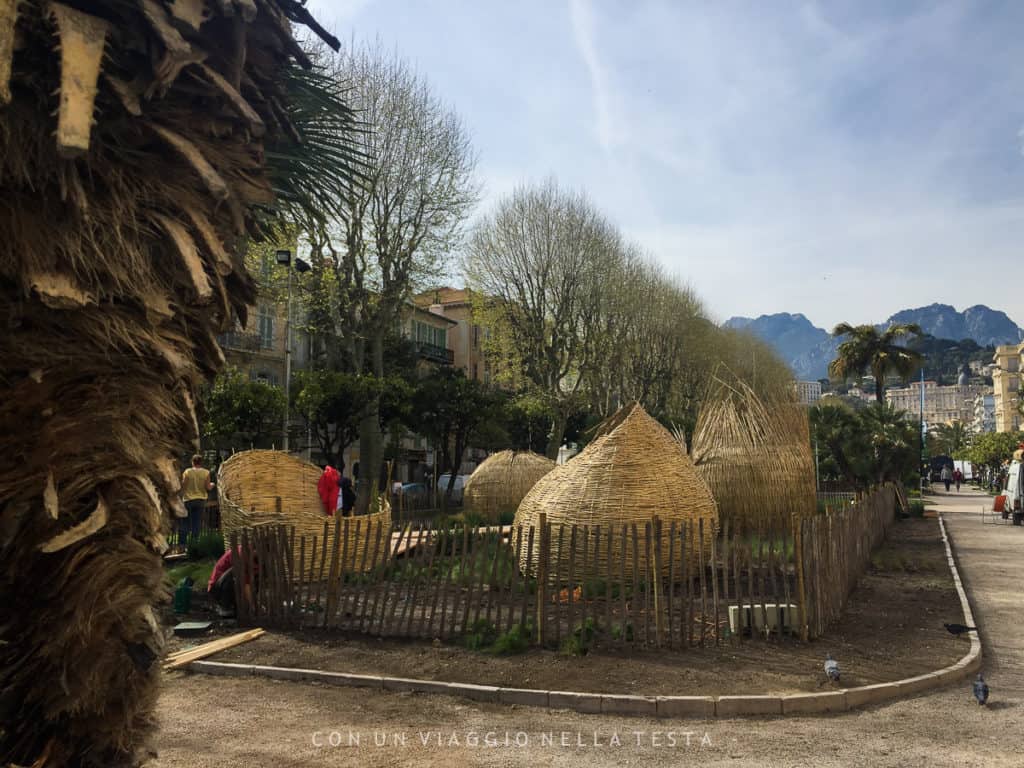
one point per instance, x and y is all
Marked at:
(871, 694)
(523, 696)
(629, 705)
(729, 706)
(475, 692)
(416, 686)
(579, 702)
(811, 703)
(686, 706)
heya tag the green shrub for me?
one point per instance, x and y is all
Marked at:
(572, 646)
(507, 518)
(207, 544)
(915, 508)
(516, 640)
(620, 633)
(480, 635)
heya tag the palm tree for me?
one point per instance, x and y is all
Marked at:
(128, 200)
(865, 349)
(951, 438)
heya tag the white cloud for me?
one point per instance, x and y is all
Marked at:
(583, 32)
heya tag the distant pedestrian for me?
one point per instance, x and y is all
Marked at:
(946, 476)
(958, 477)
(327, 487)
(347, 498)
(195, 485)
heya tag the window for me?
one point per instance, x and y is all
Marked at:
(428, 334)
(475, 372)
(476, 336)
(265, 326)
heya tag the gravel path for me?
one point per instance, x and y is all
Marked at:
(219, 722)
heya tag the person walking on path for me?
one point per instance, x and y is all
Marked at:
(958, 477)
(328, 489)
(946, 476)
(195, 485)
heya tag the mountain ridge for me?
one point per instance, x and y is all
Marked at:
(808, 349)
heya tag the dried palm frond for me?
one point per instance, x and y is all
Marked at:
(134, 142)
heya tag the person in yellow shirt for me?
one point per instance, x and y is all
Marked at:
(195, 484)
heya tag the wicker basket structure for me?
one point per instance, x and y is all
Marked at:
(249, 484)
(755, 455)
(627, 476)
(499, 484)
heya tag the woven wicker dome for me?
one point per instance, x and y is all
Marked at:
(249, 484)
(628, 476)
(755, 456)
(499, 484)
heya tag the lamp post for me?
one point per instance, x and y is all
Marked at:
(284, 258)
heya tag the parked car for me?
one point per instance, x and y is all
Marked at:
(415, 493)
(460, 484)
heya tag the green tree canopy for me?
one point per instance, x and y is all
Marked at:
(449, 410)
(240, 412)
(864, 448)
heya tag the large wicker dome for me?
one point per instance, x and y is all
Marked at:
(755, 457)
(250, 483)
(499, 484)
(634, 472)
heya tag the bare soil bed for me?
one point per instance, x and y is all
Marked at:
(892, 628)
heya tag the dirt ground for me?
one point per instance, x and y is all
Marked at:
(892, 628)
(228, 721)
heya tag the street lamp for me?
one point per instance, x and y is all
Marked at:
(284, 258)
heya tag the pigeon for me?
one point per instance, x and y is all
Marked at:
(831, 668)
(958, 629)
(981, 690)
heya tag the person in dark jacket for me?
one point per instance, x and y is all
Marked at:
(348, 496)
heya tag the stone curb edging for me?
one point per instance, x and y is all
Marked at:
(651, 706)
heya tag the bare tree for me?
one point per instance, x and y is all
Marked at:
(399, 226)
(541, 264)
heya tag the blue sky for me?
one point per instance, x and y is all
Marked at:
(778, 156)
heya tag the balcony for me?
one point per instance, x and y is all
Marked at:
(242, 342)
(434, 353)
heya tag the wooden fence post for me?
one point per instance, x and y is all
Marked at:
(798, 551)
(542, 575)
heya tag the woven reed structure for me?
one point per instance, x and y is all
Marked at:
(249, 484)
(755, 455)
(631, 473)
(499, 484)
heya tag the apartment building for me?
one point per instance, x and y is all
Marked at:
(467, 338)
(807, 392)
(984, 413)
(1005, 386)
(943, 404)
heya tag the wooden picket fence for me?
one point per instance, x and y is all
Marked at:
(415, 581)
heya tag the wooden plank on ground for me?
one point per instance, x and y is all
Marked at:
(183, 658)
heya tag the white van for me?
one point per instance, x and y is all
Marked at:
(1013, 489)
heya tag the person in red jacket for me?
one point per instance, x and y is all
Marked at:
(328, 489)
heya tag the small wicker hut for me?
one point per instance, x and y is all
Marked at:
(755, 455)
(630, 474)
(499, 484)
(249, 484)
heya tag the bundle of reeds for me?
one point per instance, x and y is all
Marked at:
(499, 484)
(137, 140)
(257, 488)
(631, 473)
(755, 455)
